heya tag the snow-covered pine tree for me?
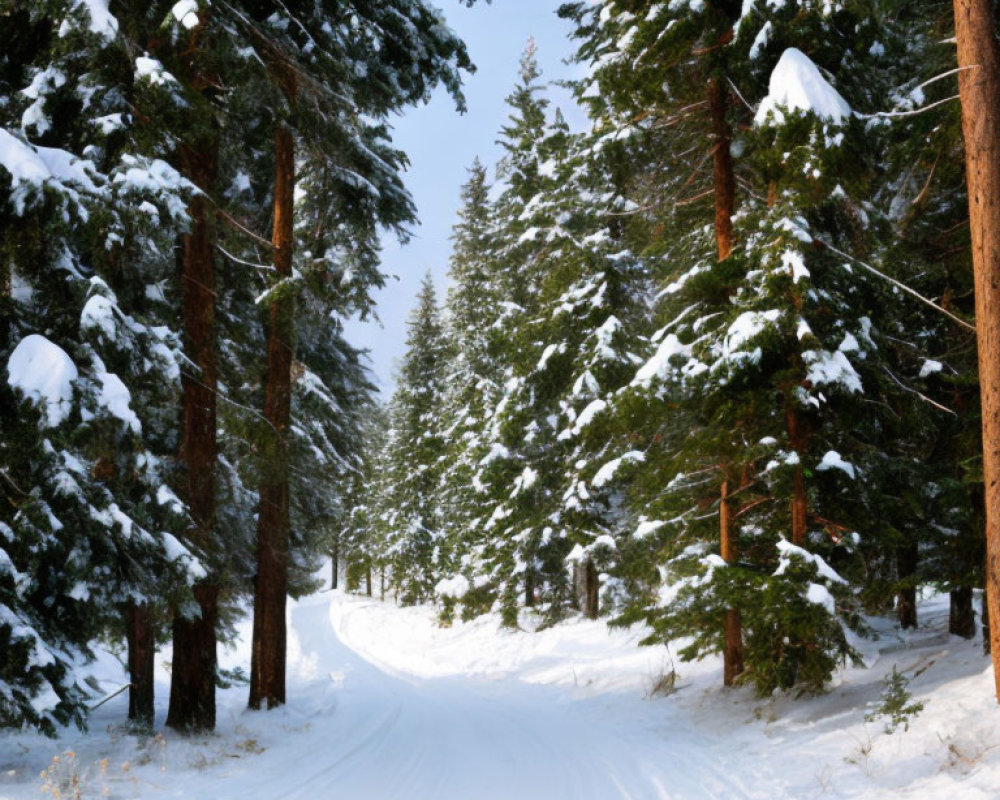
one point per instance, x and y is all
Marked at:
(93, 520)
(520, 567)
(659, 74)
(472, 388)
(776, 353)
(417, 547)
(922, 196)
(595, 314)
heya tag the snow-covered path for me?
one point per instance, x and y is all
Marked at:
(384, 704)
(397, 736)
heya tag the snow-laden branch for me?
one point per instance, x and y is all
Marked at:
(898, 284)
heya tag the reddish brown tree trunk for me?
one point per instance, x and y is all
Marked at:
(141, 651)
(725, 203)
(192, 675)
(335, 566)
(961, 615)
(979, 88)
(267, 663)
(591, 590)
(907, 561)
(723, 174)
(800, 500)
(732, 652)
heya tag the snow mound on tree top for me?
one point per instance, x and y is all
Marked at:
(44, 373)
(797, 85)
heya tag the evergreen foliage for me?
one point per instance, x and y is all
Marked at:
(635, 401)
(631, 379)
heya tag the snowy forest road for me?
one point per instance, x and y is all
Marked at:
(393, 736)
(383, 704)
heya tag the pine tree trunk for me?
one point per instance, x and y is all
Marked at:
(192, 677)
(267, 662)
(985, 625)
(335, 566)
(141, 651)
(961, 616)
(368, 582)
(907, 560)
(723, 174)
(732, 652)
(591, 590)
(6, 312)
(979, 89)
(193, 671)
(800, 500)
(725, 203)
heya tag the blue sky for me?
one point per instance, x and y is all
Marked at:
(442, 144)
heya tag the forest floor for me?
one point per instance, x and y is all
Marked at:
(384, 703)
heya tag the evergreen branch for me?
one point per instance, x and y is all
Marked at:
(832, 529)
(912, 113)
(253, 411)
(944, 75)
(750, 506)
(739, 94)
(227, 217)
(13, 485)
(111, 696)
(898, 284)
(686, 201)
(919, 199)
(922, 396)
(238, 260)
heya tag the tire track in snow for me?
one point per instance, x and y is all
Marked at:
(400, 737)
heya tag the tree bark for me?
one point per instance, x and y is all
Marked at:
(723, 174)
(732, 652)
(193, 672)
(724, 179)
(192, 677)
(984, 622)
(591, 590)
(141, 644)
(961, 615)
(907, 559)
(979, 90)
(800, 499)
(335, 566)
(267, 661)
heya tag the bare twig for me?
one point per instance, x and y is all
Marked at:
(897, 284)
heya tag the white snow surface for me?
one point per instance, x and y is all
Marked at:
(797, 85)
(186, 12)
(33, 167)
(115, 398)
(102, 22)
(44, 372)
(833, 460)
(383, 703)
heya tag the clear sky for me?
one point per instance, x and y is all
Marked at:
(442, 144)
